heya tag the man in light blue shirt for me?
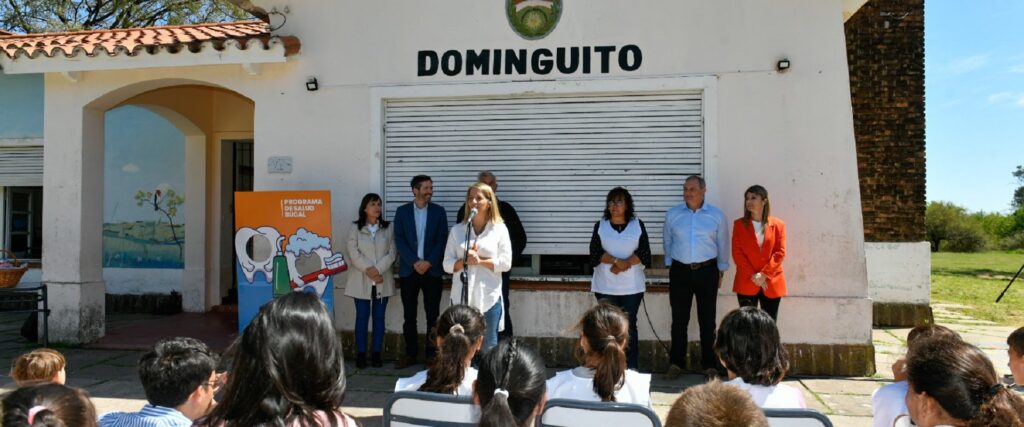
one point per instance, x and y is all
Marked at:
(697, 253)
(180, 379)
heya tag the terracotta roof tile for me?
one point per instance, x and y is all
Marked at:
(131, 41)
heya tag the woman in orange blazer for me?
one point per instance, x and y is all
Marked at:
(758, 248)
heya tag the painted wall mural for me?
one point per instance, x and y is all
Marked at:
(144, 181)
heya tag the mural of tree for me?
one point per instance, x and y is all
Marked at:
(166, 203)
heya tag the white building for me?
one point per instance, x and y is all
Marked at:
(357, 97)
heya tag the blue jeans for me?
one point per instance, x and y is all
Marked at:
(363, 319)
(491, 318)
(631, 305)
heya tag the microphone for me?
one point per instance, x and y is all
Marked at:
(472, 213)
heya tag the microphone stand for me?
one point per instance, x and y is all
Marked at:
(465, 265)
(1008, 284)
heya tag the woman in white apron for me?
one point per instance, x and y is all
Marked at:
(619, 252)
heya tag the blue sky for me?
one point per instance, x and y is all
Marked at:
(974, 89)
(148, 154)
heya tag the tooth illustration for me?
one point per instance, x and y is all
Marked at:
(249, 265)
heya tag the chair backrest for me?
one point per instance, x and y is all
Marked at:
(796, 418)
(418, 408)
(569, 413)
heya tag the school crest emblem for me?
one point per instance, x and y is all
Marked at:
(533, 19)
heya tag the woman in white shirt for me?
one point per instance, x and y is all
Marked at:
(749, 347)
(458, 336)
(619, 252)
(604, 332)
(490, 254)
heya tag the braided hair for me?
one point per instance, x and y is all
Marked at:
(510, 385)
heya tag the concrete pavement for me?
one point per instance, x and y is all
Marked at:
(111, 379)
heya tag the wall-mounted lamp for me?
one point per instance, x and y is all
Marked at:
(782, 65)
(312, 84)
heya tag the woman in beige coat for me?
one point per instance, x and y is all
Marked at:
(371, 252)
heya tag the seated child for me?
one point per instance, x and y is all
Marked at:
(42, 365)
(459, 335)
(715, 404)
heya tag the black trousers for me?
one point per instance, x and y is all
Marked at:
(506, 278)
(769, 305)
(411, 287)
(685, 284)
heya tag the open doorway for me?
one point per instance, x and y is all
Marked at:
(238, 161)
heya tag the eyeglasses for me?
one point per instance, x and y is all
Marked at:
(617, 203)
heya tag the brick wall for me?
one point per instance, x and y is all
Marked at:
(885, 50)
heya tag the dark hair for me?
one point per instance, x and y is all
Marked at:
(417, 180)
(1016, 341)
(458, 327)
(64, 406)
(715, 404)
(514, 369)
(931, 330)
(287, 366)
(749, 345)
(962, 380)
(174, 368)
(606, 329)
(616, 194)
(370, 197)
(765, 211)
(39, 365)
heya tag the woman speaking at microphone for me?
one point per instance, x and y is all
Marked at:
(489, 254)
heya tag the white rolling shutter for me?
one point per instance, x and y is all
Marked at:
(555, 157)
(21, 166)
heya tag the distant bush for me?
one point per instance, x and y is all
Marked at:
(952, 228)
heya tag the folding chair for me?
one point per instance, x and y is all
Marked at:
(571, 413)
(796, 418)
(418, 408)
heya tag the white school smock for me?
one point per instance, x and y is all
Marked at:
(578, 384)
(622, 246)
(414, 382)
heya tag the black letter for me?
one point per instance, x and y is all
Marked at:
(427, 63)
(604, 51)
(456, 68)
(542, 66)
(497, 62)
(574, 58)
(586, 59)
(477, 61)
(638, 57)
(517, 61)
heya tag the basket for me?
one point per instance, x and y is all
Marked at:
(9, 277)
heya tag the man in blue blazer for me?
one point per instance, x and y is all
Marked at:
(421, 232)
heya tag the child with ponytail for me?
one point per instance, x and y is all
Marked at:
(458, 336)
(604, 334)
(954, 383)
(50, 405)
(510, 388)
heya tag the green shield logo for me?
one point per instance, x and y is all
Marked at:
(533, 19)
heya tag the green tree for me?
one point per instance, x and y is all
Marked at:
(1018, 194)
(38, 16)
(951, 228)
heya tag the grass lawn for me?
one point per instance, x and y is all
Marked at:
(975, 280)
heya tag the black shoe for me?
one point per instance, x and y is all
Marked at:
(375, 360)
(361, 360)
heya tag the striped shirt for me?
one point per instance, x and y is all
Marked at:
(149, 416)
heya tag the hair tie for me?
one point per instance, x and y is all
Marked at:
(994, 390)
(456, 328)
(33, 411)
(501, 391)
